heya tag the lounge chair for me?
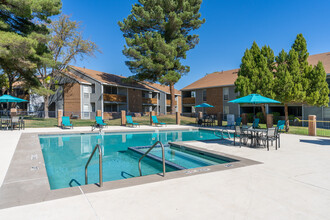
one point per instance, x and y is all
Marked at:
(255, 123)
(280, 124)
(155, 121)
(66, 122)
(99, 123)
(232, 124)
(129, 121)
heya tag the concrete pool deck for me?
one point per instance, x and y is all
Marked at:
(291, 183)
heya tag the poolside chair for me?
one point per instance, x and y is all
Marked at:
(129, 121)
(241, 135)
(270, 136)
(280, 124)
(66, 122)
(155, 121)
(255, 123)
(99, 123)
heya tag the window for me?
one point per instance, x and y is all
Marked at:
(111, 90)
(93, 88)
(204, 95)
(93, 106)
(86, 91)
(110, 108)
(226, 109)
(326, 113)
(225, 93)
(193, 94)
(86, 110)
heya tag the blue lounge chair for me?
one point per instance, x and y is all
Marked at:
(280, 124)
(66, 122)
(129, 121)
(99, 123)
(155, 121)
(238, 121)
(255, 123)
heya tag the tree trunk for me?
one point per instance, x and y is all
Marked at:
(286, 113)
(264, 112)
(172, 91)
(46, 99)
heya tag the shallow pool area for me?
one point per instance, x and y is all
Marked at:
(66, 155)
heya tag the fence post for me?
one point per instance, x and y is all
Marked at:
(98, 113)
(312, 125)
(123, 117)
(13, 112)
(219, 117)
(269, 120)
(152, 113)
(178, 118)
(59, 117)
(244, 119)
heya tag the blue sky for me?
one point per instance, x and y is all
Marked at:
(230, 28)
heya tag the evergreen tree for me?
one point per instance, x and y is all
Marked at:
(256, 73)
(23, 32)
(157, 38)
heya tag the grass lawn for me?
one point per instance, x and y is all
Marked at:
(145, 120)
(168, 119)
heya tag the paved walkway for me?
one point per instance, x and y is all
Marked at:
(292, 183)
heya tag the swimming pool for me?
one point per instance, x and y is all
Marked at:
(66, 155)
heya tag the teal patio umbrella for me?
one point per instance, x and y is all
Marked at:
(9, 98)
(204, 105)
(254, 99)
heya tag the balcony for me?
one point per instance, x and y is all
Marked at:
(189, 100)
(114, 98)
(168, 102)
(151, 101)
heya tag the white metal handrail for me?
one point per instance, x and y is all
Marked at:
(100, 165)
(163, 157)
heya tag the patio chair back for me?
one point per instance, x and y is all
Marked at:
(15, 119)
(238, 121)
(255, 123)
(237, 130)
(129, 119)
(66, 120)
(271, 132)
(230, 120)
(99, 120)
(155, 119)
(280, 124)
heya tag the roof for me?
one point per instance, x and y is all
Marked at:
(228, 78)
(74, 76)
(117, 80)
(217, 79)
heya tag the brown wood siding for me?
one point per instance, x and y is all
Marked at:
(71, 99)
(134, 100)
(114, 98)
(214, 97)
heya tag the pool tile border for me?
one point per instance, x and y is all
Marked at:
(26, 181)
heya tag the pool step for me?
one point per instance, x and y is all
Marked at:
(168, 163)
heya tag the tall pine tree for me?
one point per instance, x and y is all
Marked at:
(157, 34)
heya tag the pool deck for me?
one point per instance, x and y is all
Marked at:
(290, 183)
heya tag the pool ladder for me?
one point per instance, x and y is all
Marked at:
(163, 157)
(100, 165)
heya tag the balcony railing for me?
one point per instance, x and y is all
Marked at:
(188, 100)
(114, 98)
(152, 101)
(168, 102)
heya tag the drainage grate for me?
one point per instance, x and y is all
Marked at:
(34, 168)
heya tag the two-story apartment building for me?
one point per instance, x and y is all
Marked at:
(83, 91)
(218, 88)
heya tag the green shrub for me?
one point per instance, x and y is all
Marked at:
(250, 117)
(276, 117)
(260, 115)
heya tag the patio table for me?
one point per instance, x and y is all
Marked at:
(254, 133)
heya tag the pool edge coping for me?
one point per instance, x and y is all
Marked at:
(15, 193)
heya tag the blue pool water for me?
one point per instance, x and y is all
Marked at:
(66, 155)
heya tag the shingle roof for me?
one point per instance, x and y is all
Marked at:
(74, 76)
(117, 80)
(228, 78)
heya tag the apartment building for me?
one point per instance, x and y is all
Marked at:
(85, 91)
(218, 88)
